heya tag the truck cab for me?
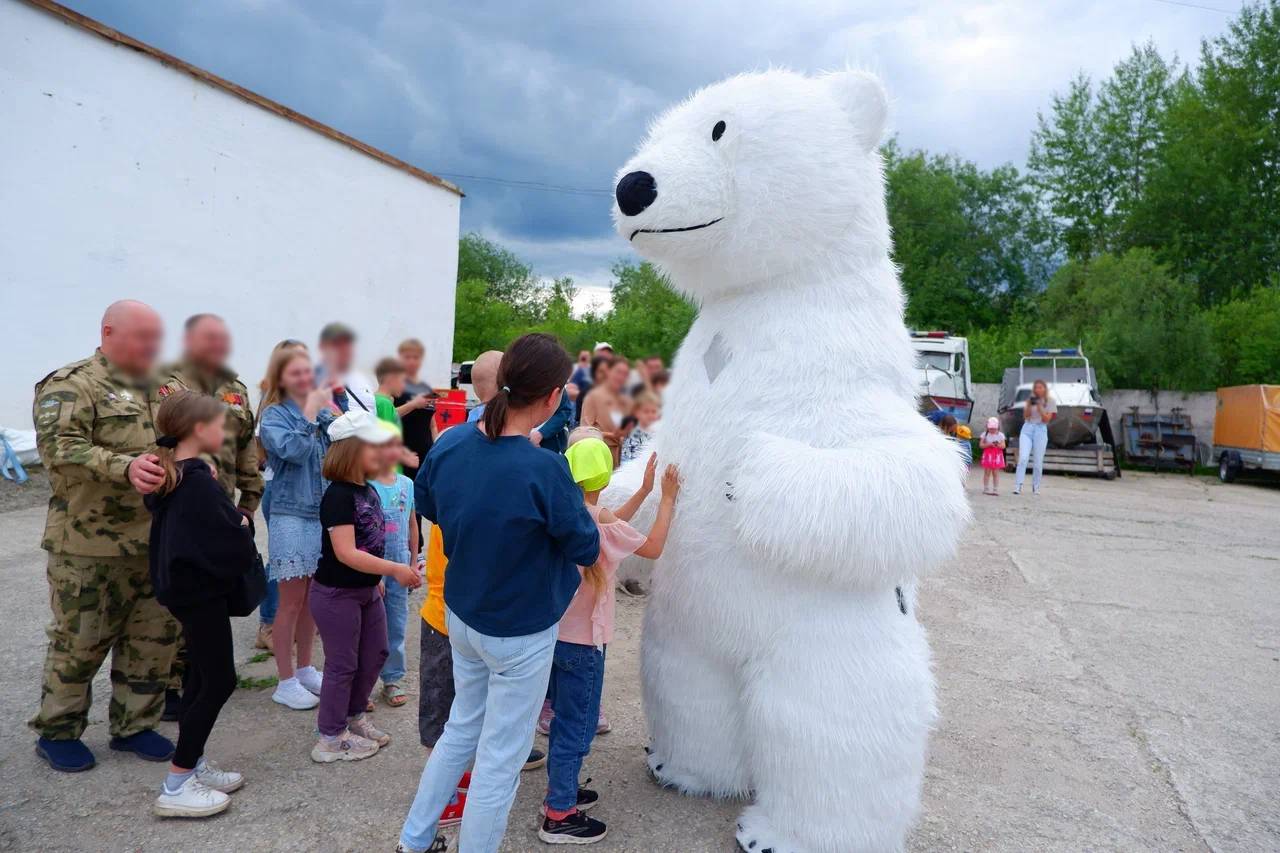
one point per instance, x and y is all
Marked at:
(942, 362)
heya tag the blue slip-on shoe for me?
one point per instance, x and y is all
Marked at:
(65, 756)
(149, 745)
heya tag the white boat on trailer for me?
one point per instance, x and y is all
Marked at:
(1074, 389)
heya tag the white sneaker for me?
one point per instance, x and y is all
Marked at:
(344, 747)
(310, 678)
(193, 799)
(225, 781)
(292, 694)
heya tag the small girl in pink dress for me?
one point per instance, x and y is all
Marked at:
(992, 443)
(586, 629)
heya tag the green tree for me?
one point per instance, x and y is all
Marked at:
(1246, 333)
(1066, 164)
(972, 245)
(1139, 324)
(648, 317)
(1212, 207)
(480, 321)
(507, 278)
(993, 349)
(1092, 156)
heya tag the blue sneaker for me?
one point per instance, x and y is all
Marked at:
(149, 745)
(66, 756)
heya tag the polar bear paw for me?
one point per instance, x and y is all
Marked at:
(669, 777)
(756, 835)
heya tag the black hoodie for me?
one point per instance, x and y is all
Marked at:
(200, 545)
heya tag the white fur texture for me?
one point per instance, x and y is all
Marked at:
(776, 661)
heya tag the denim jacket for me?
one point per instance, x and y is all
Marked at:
(295, 451)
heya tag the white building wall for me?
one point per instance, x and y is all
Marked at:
(122, 177)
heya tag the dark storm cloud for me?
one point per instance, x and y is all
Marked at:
(560, 93)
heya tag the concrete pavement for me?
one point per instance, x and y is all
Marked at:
(1108, 662)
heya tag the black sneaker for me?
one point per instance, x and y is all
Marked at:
(576, 828)
(537, 758)
(587, 799)
(172, 707)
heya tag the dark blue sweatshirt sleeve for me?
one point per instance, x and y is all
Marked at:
(422, 498)
(568, 522)
(559, 420)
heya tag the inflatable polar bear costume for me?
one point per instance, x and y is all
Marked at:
(781, 653)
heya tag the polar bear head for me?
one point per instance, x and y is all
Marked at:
(758, 177)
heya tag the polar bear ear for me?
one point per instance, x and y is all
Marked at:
(864, 100)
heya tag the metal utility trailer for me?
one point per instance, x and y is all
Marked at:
(1160, 440)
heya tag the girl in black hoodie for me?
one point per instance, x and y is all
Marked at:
(201, 546)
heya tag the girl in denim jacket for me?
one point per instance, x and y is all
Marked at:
(293, 417)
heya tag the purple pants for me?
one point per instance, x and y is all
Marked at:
(353, 628)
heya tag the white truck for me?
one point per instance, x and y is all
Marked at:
(943, 364)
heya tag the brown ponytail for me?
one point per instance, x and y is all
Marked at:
(594, 575)
(531, 368)
(177, 417)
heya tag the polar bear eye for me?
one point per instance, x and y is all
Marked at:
(717, 131)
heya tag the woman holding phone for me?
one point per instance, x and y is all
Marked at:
(1038, 410)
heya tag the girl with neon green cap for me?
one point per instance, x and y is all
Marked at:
(586, 629)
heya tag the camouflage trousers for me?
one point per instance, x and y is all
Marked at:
(104, 605)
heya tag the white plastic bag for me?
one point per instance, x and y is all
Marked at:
(23, 442)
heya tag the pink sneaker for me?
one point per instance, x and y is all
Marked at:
(545, 718)
(602, 726)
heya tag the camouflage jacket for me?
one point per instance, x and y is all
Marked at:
(91, 421)
(237, 462)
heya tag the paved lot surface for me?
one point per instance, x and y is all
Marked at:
(1108, 660)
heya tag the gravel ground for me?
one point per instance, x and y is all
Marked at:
(34, 492)
(1108, 663)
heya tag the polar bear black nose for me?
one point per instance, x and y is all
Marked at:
(635, 192)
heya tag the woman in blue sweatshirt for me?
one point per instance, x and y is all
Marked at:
(515, 531)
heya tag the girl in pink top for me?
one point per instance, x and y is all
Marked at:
(586, 629)
(992, 443)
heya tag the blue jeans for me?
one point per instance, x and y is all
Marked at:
(267, 609)
(577, 679)
(397, 602)
(500, 683)
(1033, 440)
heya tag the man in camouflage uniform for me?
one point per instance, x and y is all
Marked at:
(203, 368)
(95, 429)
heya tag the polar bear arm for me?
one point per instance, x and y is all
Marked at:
(874, 515)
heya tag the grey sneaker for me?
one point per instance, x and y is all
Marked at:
(362, 726)
(344, 747)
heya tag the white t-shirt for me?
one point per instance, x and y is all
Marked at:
(989, 439)
(358, 387)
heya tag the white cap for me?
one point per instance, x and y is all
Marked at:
(359, 424)
(602, 345)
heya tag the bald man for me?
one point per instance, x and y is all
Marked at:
(484, 379)
(95, 427)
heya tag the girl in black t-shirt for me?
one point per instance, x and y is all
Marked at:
(346, 593)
